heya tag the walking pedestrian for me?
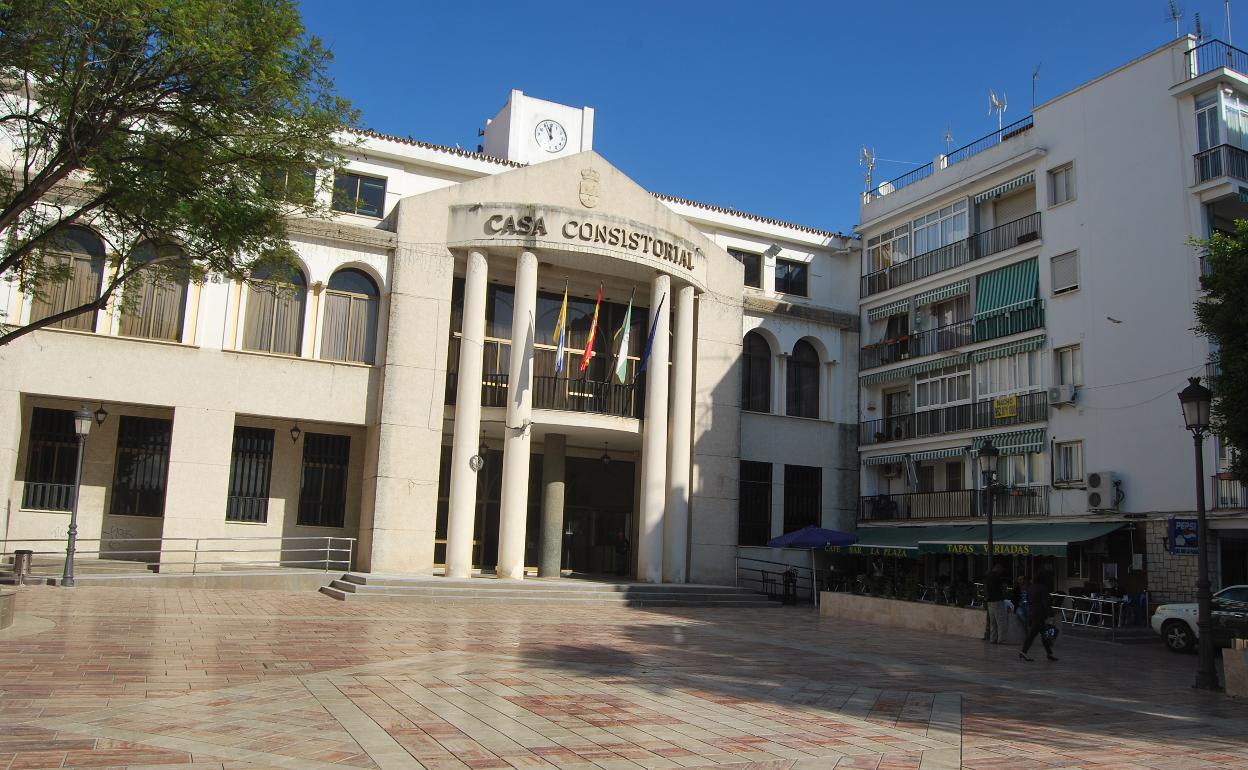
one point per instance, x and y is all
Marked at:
(1039, 606)
(994, 596)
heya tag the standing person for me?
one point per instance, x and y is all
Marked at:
(1039, 605)
(994, 596)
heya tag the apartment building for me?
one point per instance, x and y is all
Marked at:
(1035, 289)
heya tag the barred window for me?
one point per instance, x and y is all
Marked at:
(803, 496)
(323, 491)
(756, 374)
(801, 381)
(51, 461)
(754, 504)
(142, 466)
(251, 464)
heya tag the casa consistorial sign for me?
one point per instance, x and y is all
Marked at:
(574, 230)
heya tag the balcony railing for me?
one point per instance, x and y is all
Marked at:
(1223, 160)
(1007, 502)
(569, 395)
(989, 413)
(954, 157)
(47, 497)
(1022, 318)
(1213, 55)
(978, 246)
(1229, 493)
(922, 343)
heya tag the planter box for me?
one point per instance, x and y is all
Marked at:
(917, 616)
(1235, 670)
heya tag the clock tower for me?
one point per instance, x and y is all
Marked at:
(529, 130)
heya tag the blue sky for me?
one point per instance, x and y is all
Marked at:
(757, 106)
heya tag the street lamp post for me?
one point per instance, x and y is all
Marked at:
(82, 426)
(1196, 399)
(988, 473)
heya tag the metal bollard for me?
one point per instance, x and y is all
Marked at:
(22, 560)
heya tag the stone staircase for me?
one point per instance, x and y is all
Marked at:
(567, 591)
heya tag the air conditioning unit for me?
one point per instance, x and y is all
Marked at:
(892, 470)
(1103, 491)
(1061, 395)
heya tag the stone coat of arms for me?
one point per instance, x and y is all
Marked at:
(589, 190)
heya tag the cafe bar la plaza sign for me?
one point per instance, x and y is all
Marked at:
(495, 225)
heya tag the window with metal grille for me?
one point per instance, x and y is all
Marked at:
(323, 492)
(251, 464)
(754, 504)
(142, 466)
(801, 381)
(756, 374)
(51, 461)
(791, 277)
(803, 496)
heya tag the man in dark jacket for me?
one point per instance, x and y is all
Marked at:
(994, 596)
(1039, 605)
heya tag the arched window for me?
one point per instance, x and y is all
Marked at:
(77, 256)
(802, 381)
(351, 303)
(756, 374)
(275, 309)
(155, 298)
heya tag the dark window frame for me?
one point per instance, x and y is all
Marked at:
(753, 264)
(326, 467)
(801, 382)
(141, 467)
(803, 496)
(792, 277)
(251, 471)
(756, 374)
(754, 503)
(51, 460)
(348, 197)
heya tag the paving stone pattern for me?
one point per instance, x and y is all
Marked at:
(155, 678)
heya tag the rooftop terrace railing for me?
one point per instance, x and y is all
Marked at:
(1213, 55)
(956, 156)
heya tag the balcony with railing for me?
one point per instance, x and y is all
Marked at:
(1229, 492)
(562, 393)
(920, 343)
(1004, 134)
(1007, 236)
(990, 413)
(1223, 160)
(39, 496)
(1007, 502)
(1214, 55)
(1024, 317)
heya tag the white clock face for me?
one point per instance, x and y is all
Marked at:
(550, 136)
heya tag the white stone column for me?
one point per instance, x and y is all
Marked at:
(676, 517)
(780, 398)
(517, 436)
(654, 440)
(463, 493)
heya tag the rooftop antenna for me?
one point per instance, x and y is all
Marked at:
(948, 140)
(1174, 12)
(998, 106)
(1034, 77)
(1227, 4)
(1199, 30)
(867, 158)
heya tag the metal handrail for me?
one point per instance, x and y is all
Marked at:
(1223, 160)
(334, 552)
(1099, 613)
(1029, 407)
(767, 578)
(1213, 55)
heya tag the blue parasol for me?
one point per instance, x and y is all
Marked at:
(812, 537)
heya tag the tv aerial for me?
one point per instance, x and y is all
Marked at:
(948, 139)
(1199, 30)
(867, 158)
(1174, 13)
(998, 106)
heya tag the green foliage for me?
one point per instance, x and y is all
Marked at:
(1222, 318)
(177, 121)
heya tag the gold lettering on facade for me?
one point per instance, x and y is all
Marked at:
(617, 236)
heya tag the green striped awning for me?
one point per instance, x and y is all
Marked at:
(1010, 287)
(1009, 349)
(892, 308)
(883, 460)
(1019, 442)
(1002, 189)
(943, 293)
(903, 372)
(936, 454)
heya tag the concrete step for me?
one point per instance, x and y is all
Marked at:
(546, 594)
(537, 584)
(591, 600)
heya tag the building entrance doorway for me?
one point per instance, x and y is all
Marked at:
(1234, 557)
(599, 527)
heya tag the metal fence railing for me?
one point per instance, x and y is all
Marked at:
(1095, 613)
(1213, 55)
(767, 577)
(181, 555)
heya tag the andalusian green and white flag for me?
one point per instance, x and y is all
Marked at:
(621, 357)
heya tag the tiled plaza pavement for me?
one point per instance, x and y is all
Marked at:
(214, 679)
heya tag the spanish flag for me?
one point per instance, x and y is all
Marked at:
(560, 337)
(593, 332)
